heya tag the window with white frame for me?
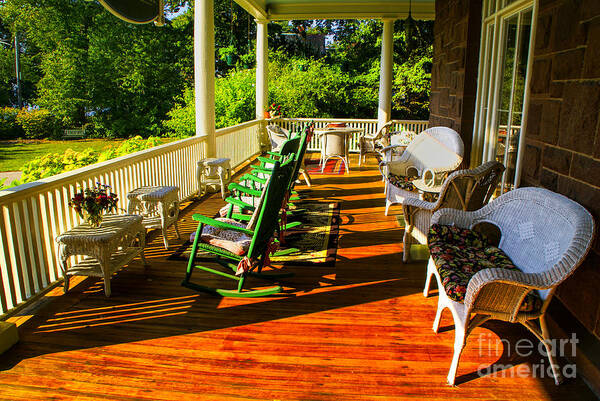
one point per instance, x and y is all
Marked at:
(504, 63)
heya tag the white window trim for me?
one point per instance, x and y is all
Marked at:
(482, 137)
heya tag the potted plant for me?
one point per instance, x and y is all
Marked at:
(273, 111)
(227, 54)
(91, 203)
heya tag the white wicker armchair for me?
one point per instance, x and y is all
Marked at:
(277, 136)
(438, 150)
(463, 190)
(368, 143)
(546, 235)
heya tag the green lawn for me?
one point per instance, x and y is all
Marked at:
(14, 154)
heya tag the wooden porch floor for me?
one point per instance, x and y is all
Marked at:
(359, 330)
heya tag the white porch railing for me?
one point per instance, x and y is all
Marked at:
(368, 125)
(239, 142)
(33, 214)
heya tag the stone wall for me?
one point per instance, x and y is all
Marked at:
(456, 54)
(562, 151)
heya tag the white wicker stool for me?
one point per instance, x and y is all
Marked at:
(213, 171)
(158, 205)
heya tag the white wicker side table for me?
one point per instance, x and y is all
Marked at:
(118, 240)
(213, 171)
(158, 205)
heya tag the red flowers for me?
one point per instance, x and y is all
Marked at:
(94, 201)
(274, 109)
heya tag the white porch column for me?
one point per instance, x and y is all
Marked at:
(204, 72)
(384, 112)
(262, 68)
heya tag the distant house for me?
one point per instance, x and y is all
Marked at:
(315, 41)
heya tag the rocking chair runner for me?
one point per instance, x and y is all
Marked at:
(253, 241)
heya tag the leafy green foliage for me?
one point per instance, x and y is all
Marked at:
(312, 89)
(131, 145)
(96, 68)
(412, 88)
(234, 104)
(38, 124)
(234, 98)
(56, 163)
(181, 121)
(9, 128)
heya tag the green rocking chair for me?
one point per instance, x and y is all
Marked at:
(244, 249)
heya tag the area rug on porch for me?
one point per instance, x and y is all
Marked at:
(316, 239)
(332, 167)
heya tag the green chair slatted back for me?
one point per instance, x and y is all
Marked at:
(300, 154)
(268, 219)
(267, 223)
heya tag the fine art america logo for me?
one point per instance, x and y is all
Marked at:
(525, 348)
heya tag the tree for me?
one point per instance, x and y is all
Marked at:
(95, 67)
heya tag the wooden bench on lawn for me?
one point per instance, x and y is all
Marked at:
(74, 133)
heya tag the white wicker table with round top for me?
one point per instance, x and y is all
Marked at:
(335, 142)
(118, 240)
(427, 189)
(158, 205)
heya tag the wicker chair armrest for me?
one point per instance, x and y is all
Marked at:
(398, 167)
(413, 208)
(502, 290)
(455, 217)
(391, 147)
(416, 203)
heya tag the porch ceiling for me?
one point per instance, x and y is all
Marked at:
(337, 9)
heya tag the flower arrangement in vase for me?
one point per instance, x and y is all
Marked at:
(91, 203)
(273, 111)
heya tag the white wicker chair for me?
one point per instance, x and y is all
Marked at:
(399, 141)
(463, 190)
(546, 235)
(438, 150)
(277, 136)
(368, 143)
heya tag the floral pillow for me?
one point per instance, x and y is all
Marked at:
(459, 253)
(401, 181)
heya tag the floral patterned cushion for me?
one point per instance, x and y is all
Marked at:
(401, 181)
(459, 253)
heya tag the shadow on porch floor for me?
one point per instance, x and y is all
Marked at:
(358, 329)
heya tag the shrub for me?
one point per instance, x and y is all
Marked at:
(131, 145)
(235, 98)
(38, 124)
(9, 128)
(56, 163)
(182, 118)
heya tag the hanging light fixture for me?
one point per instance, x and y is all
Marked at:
(137, 11)
(408, 25)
